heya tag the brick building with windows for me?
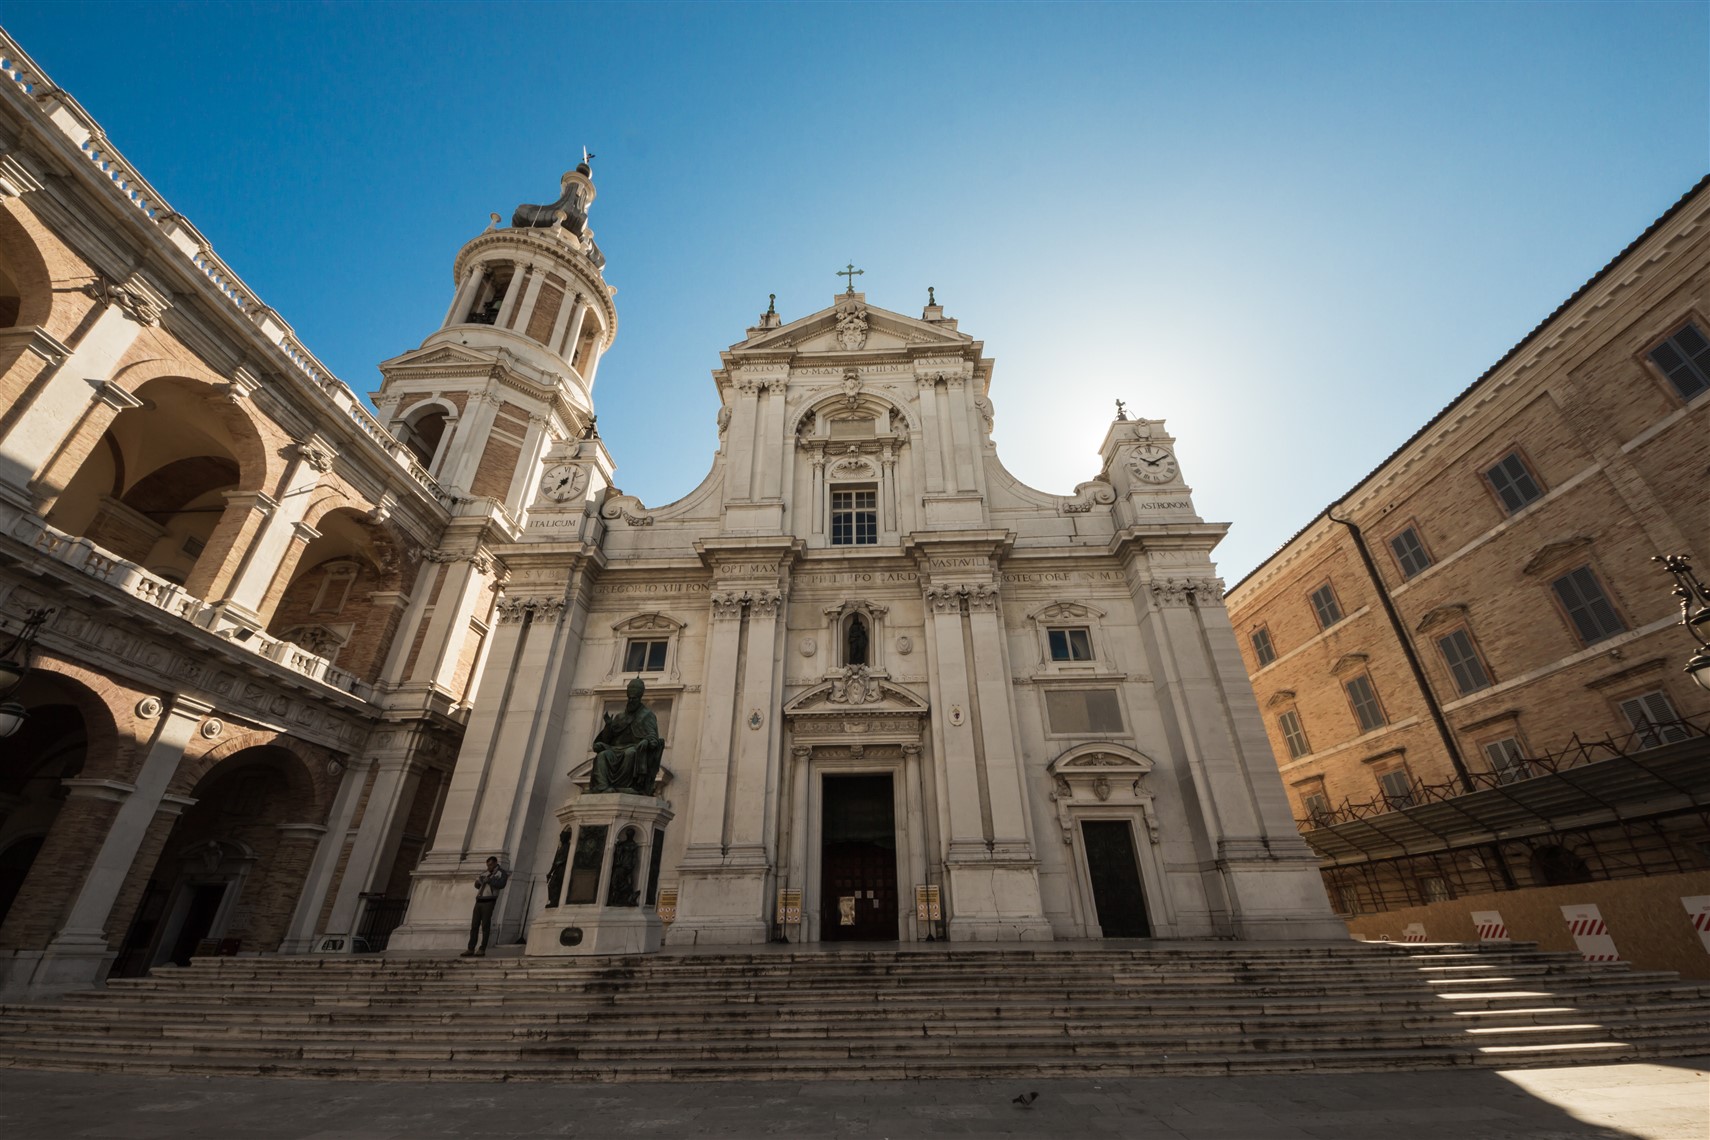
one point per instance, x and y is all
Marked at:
(1469, 666)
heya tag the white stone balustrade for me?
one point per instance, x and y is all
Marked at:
(103, 565)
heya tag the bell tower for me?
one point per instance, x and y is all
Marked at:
(510, 371)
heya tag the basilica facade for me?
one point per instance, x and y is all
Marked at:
(292, 670)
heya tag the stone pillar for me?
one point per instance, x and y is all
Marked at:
(714, 904)
(573, 331)
(396, 779)
(958, 408)
(464, 298)
(511, 749)
(253, 588)
(525, 310)
(744, 433)
(818, 490)
(299, 934)
(231, 546)
(79, 955)
(60, 400)
(931, 462)
(991, 873)
(110, 400)
(273, 900)
(513, 294)
(1265, 874)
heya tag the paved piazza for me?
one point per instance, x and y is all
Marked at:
(1611, 1102)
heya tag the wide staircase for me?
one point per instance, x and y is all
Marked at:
(1056, 1010)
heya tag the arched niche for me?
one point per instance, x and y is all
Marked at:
(426, 428)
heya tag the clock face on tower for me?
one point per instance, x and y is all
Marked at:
(563, 481)
(1153, 464)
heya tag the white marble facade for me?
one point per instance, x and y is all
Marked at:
(1040, 672)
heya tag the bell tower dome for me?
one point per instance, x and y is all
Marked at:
(510, 371)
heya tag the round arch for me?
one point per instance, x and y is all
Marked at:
(24, 273)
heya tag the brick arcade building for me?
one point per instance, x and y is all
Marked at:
(1469, 666)
(301, 666)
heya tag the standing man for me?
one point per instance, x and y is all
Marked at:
(488, 884)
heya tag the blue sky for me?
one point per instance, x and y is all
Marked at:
(1294, 231)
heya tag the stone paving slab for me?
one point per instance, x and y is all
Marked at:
(1604, 1102)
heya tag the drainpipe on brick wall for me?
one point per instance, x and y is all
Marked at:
(1412, 655)
(1408, 651)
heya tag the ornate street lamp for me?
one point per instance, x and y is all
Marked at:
(14, 667)
(1694, 613)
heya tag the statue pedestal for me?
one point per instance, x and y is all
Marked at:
(611, 879)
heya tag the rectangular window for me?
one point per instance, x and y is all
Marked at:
(1070, 644)
(1685, 359)
(1409, 552)
(1262, 648)
(1364, 699)
(1325, 606)
(1081, 712)
(1435, 889)
(1463, 660)
(1293, 735)
(1397, 789)
(1653, 717)
(1513, 483)
(644, 656)
(1588, 607)
(855, 517)
(1317, 806)
(1507, 761)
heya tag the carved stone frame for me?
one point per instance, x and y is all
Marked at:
(1104, 781)
(651, 626)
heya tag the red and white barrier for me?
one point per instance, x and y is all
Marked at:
(1698, 910)
(1590, 933)
(1490, 926)
(1413, 932)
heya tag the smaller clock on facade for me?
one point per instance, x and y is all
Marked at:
(563, 481)
(1153, 464)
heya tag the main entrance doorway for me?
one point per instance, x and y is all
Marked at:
(1115, 878)
(858, 860)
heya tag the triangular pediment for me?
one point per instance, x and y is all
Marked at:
(856, 693)
(439, 356)
(824, 332)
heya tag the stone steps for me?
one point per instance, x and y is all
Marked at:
(977, 1012)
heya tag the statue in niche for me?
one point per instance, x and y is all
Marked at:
(626, 862)
(555, 876)
(856, 642)
(628, 748)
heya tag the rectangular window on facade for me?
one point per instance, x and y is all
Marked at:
(644, 656)
(1082, 712)
(1587, 606)
(1364, 700)
(1409, 552)
(1397, 789)
(1262, 648)
(1653, 717)
(1463, 660)
(1685, 359)
(1507, 761)
(855, 517)
(1070, 644)
(1317, 806)
(1293, 735)
(1325, 606)
(1513, 482)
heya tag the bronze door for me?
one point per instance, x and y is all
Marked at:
(1115, 878)
(858, 862)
